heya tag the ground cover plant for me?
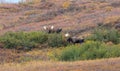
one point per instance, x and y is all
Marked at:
(88, 51)
(96, 46)
(105, 35)
(29, 40)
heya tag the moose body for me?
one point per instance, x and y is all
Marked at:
(73, 39)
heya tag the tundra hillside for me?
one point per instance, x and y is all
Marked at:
(60, 35)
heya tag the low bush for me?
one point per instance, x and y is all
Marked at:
(105, 35)
(89, 50)
(38, 37)
(23, 39)
(113, 51)
(29, 40)
(69, 54)
(56, 40)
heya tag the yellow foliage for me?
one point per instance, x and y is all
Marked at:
(31, 1)
(36, 1)
(109, 8)
(53, 52)
(32, 12)
(1, 27)
(66, 4)
(89, 41)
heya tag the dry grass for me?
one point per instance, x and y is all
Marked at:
(91, 65)
(29, 16)
(42, 53)
(111, 64)
(32, 12)
(111, 20)
(53, 12)
(11, 55)
(7, 55)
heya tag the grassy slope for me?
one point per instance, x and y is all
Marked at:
(44, 64)
(33, 17)
(95, 65)
(28, 18)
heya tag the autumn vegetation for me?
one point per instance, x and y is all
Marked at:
(24, 43)
(94, 47)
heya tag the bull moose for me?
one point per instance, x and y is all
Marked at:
(52, 29)
(73, 39)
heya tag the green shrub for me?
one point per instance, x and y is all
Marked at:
(113, 51)
(69, 54)
(23, 39)
(92, 50)
(56, 40)
(89, 50)
(27, 44)
(114, 36)
(38, 37)
(105, 35)
(29, 40)
(9, 40)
